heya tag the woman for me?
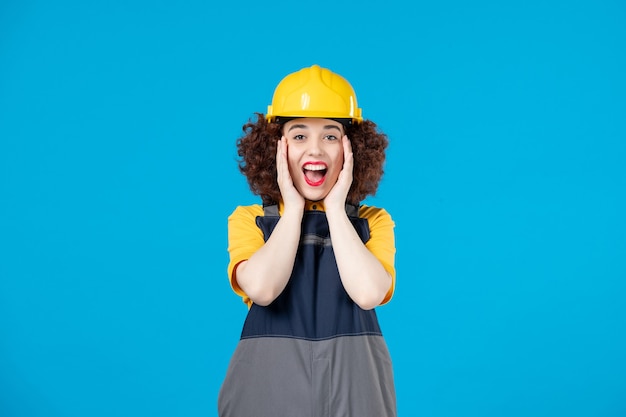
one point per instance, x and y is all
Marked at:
(311, 262)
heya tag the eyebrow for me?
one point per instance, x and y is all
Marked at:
(297, 127)
(332, 127)
(303, 126)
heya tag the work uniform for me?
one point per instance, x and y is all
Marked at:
(312, 352)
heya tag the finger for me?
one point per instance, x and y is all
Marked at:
(280, 156)
(347, 153)
(283, 172)
(347, 145)
(278, 152)
(285, 149)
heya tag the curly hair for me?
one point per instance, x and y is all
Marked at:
(257, 152)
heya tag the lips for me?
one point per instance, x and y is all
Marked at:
(314, 173)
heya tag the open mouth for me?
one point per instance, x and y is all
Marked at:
(314, 173)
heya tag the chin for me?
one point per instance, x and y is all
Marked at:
(315, 197)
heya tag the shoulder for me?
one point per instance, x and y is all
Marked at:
(374, 214)
(246, 212)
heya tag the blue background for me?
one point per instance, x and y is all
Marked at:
(505, 177)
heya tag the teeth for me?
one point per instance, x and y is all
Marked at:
(314, 167)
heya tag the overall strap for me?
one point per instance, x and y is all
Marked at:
(270, 210)
(352, 210)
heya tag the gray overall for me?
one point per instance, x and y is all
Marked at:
(312, 352)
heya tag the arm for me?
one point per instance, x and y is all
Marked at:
(264, 276)
(362, 275)
(364, 278)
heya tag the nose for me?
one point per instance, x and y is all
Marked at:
(314, 147)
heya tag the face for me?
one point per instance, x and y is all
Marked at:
(314, 154)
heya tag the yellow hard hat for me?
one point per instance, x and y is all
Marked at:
(314, 92)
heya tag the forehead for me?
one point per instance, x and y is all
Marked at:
(312, 123)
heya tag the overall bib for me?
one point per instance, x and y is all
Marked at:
(312, 352)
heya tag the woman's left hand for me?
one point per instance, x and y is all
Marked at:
(336, 198)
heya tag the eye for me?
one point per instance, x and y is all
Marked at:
(298, 137)
(331, 137)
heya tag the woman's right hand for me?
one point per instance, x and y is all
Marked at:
(264, 276)
(292, 199)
